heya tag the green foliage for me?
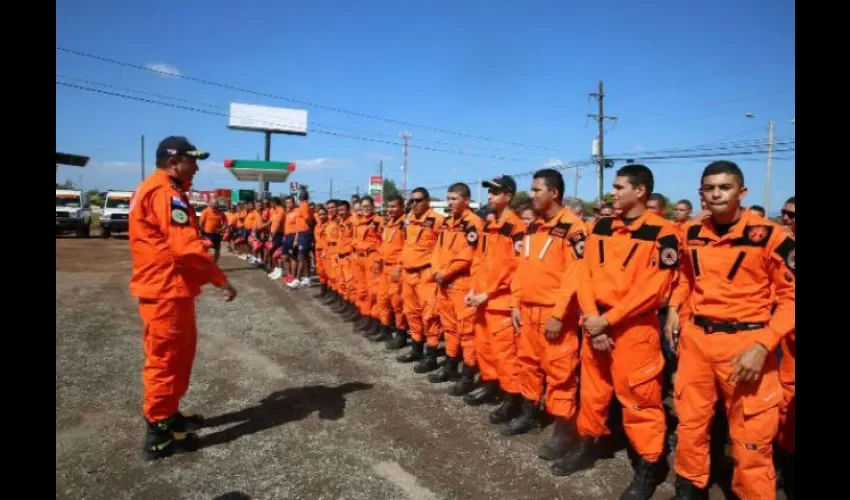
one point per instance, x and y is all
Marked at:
(519, 199)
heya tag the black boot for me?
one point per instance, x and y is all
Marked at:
(341, 307)
(643, 483)
(414, 354)
(466, 382)
(362, 324)
(373, 328)
(429, 362)
(563, 435)
(167, 437)
(352, 314)
(686, 490)
(190, 422)
(508, 410)
(487, 392)
(528, 420)
(398, 341)
(323, 292)
(583, 456)
(787, 470)
(333, 299)
(382, 333)
(446, 372)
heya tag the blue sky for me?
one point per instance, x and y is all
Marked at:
(677, 75)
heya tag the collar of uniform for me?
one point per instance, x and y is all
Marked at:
(396, 222)
(541, 222)
(637, 223)
(505, 214)
(454, 221)
(736, 231)
(164, 177)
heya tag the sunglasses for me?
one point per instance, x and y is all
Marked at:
(417, 200)
(789, 214)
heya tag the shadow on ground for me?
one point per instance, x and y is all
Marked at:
(233, 495)
(280, 407)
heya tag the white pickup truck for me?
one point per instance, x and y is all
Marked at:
(72, 212)
(116, 211)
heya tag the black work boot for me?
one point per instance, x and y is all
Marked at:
(583, 456)
(487, 392)
(686, 490)
(341, 307)
(323, 293)
(429, 362)
(398, 340)
(381, 333)
(362, 324)
(563, 435)
(446, 372)
(414, 354)
(190, 422)
(167, 437)
(352, 314)
(333, 299)
(373, 328)
(466, 383)
(508, 410)
(528, 420)
(643, 483)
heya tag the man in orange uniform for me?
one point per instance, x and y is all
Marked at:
(331, 235)
(212, 222)
(232, 216)
(170, 264)
(345, 250)
(451, 267)
(493, 269)
(251, 220)
(367, 241)
(419, 290)
(626, 276)
(321, 248)
(289, 240)
(276, 237)
(390, 305)
(304, 224)
(787, 378)
(545, 311)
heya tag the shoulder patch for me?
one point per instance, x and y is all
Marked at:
(578, 241)
(604, 226)
(179, 216)
(518, 238)
(787, 251)
(668, 254)
(532, 228)
(472, 235)
(755, 236)
(429, 222)
(507, 229)
(561, 230)
(646, 233)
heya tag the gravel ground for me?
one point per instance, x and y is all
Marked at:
(299, 407)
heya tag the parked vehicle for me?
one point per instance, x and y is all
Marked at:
(73, 213)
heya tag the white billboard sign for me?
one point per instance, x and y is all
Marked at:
(266, 118)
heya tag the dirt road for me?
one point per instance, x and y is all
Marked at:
(299, 407)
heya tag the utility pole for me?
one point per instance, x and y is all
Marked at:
(381, 175)
(332, 189)
(406, 136)
(143, 157)
(575, 186)
(770, 127)
(600, 118)
(268, 158)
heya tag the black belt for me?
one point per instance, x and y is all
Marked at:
(331, 244)
(602, 309)
(418, 269)
(366, 253)
(710, 326)
(343, 255)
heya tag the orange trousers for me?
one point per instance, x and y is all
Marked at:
(390, 304)
(496, 349)
(331, 270)
(170, 339)
(457, 322)
(419, 295)
(347, 285)
(320, 267)
(787, 379)
(751, 407)
(554, 362)
(633, 371)
(367, 284)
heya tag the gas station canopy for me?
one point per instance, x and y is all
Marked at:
(69, 160)
(260, 171)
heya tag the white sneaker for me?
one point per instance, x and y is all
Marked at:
(305, 281)
(276, 274)
(242, 256)
(294, 284)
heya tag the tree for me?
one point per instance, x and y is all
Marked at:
(520, 198)
(68, 184)
(390, 190)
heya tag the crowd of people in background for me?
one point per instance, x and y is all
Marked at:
(544, 311)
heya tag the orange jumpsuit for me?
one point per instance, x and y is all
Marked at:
(543, 287)
(452, 259)
(211, 222)
(345, 249)
(170, 264)
(787, 378)
(389, 294)
(367, 241)
(419, 290)
(321, 248)
(331, 265)
(626, 276)
(728, 282)
(493, 269)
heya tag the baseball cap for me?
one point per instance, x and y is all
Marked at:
(502, 183)
(178, 145)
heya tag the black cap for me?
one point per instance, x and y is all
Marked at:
(177, 146)
(502, 183)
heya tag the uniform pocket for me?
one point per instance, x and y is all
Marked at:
(645, 383)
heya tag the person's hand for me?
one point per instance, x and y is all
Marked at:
(671, 328)
(749, 364)
(396, 275)
(229, 292)
(376, 268)
(595, 325)
(516, 320)
(602, 342)
(438, 278)
(479, 299)
(554, 327)
(468, 299)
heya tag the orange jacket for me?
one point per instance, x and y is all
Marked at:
(251, 220)
(546, 271)
(321, 241)
(367, 234)
(278, 213)
(737, 277)
(420, 238)
(496, 260)
(169, 260)
(240, 219)
(628, 270)
(331, 236)
(304, 221)
(456, 245)
(212, 222)
(289, 224)
(345, 239)
(392, 241)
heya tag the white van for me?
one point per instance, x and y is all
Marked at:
(72, 212)
(116, 212)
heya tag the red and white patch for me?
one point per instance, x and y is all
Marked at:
(472, 237)
(757, 233)
(669, 256)
(790, 261)
(518, 246)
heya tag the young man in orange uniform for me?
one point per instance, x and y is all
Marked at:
(545, 313)
(321, 248)
(331, 233)
(493, 269)
(305, 222)
(212, 222)
(451, 268)
(367, 241)
(170, 265)
(419, 290)
(345, 250)
(735, 267)
(626, 276)
(289, 240)
(276, 234)
(390, 305)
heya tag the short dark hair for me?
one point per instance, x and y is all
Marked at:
(343, 203)
(553, 180)
(638, 174)
(355, 197)
(290, 198)
(723, 167)
(331, 202)
(687, 203)
(396, 197)
(757, 208)
(791, 200)
(660, 199)
(321, 208)
(461, 189)
(369, 199)
(423, 191)
(276, 200)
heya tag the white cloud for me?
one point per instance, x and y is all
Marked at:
(164, 70)
(637, 148)
(553, 163)
(319, 164)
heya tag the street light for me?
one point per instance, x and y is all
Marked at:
(770, 126)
